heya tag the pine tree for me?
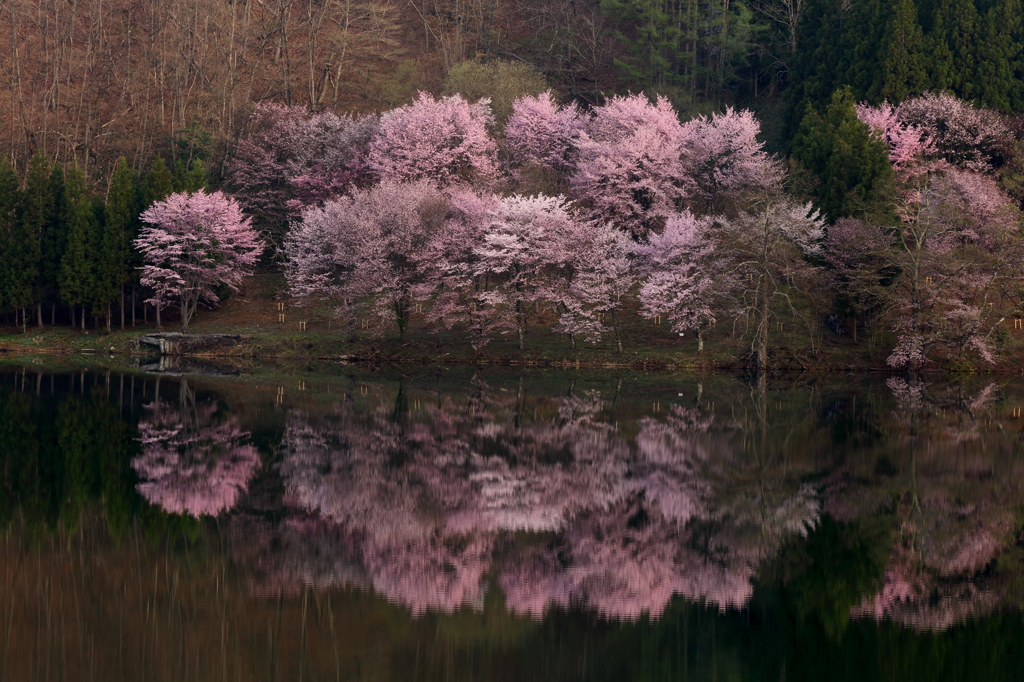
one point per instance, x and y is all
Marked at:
(653, 40)
(999, 57)
(852, 165)
(78, 266)
(682, 47)
(189, 178)
(54, 241)
(102, 294)
(35, 221)
(963, 26)
(864, 29)
(938, 56)
(158, 184)
(10, 200)
(121, 227)
(904, 72)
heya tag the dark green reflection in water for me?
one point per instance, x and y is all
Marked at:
(913, 482)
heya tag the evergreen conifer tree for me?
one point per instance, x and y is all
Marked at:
(101, 295)
(54, 241)
(158, 184)
(121, 227)
(654, 41)
(864, 29)
(190, 178)
(852, 165)
(938, 56)
(904, 72)
(78, 266)
(35, 221)
(10, 200)
(999, 57)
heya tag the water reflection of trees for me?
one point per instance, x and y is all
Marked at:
(61, 450)
(564, 507)
(951, 477)
(195, 458)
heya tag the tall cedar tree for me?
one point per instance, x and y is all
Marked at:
(78, 265)
(851, 163)
(10, 198)
(864, 31)
(904, 71)
(158, 184)
(55, 238)
(962, 24)
(189, 178)
(36, 221)
(100, 295)
(896, 49)
(122, 226)
(999, 57)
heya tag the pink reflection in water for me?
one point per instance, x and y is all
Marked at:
(194, 460)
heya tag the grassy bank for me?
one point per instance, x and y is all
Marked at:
(254, 314)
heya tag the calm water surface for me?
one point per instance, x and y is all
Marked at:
(339, 524)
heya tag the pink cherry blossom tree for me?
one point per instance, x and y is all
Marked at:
(911, 147)
(683, 279)
(960, 264)
(318, 257)
(725, 158)
(293, 158)
(444, 140)
(368, 247)
(965, 136)
(768, 250)
(516, 255)
(593, 272)
(630, 170)
(540, 133)
(453, 280)
(193, 243)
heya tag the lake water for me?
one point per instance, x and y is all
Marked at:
(338, 523)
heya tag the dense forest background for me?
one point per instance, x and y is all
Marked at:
(876, 148)
(90, 81)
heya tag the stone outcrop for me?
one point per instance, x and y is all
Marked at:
(176, 343)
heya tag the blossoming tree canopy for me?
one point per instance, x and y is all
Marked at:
(444, 140)
(630, 171)
(193, 243)
(542, 133)
(681, 280)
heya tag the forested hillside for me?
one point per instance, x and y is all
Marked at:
(833, 165)
(94, 80)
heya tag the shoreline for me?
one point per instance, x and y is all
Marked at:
(311, 334)
(272, 348)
